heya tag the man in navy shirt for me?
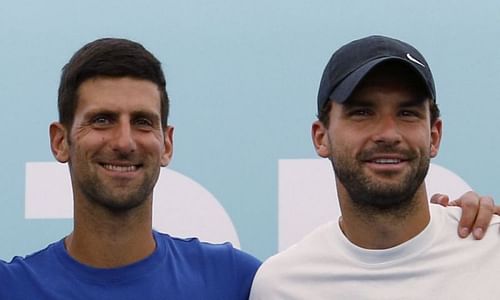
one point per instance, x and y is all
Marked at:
(114, 135)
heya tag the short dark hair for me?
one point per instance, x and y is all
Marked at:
(108, 57)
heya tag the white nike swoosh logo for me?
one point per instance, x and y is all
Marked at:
(413, 59)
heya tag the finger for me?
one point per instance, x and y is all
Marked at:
(440, 199)
(484, 215)
(497, 209)
(469, 202)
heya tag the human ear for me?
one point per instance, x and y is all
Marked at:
(320, 139)
(436, 134)
(59, 143)
(168, 143)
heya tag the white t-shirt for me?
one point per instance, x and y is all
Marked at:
(436, 264)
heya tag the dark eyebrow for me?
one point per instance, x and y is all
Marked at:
(104, 112)
(417, 101)
(111, 113)
(357, 102)
(145, 114)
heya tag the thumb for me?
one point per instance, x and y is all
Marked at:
(440, 199)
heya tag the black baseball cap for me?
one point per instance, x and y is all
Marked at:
(353, 61)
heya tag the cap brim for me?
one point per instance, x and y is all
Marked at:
(345, 88)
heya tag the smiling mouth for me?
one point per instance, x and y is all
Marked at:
(387, 161)
(120, 168)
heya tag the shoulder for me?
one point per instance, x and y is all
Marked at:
(283, 268)
(22, 273)
(445, 221)
(199, 252)
(451, 215)
(38, 258)
(226, 271)
(315, 244)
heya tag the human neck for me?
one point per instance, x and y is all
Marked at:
(107, 240)
(370, 230)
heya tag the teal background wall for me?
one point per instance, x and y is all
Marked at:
(243, 78)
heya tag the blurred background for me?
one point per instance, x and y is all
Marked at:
(242, 77)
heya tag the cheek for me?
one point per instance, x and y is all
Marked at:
(153, 146)
(422, 140)
(88, 144)
(344, 144)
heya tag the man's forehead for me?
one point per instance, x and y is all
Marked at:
(115, 93)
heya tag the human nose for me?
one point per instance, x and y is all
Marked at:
(387, 131)
(123, 139)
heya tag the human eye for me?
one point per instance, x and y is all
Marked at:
(359, 113)
(407, 113)
(410, 114)
(144, 123)
(101, 120)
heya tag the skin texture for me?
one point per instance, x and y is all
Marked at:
(380, 143)
(477, 212)
(114, 149)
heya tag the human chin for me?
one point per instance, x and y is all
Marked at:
(383, 196)
(118, 200)
(369, 190)
(116, 196)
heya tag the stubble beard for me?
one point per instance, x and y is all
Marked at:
(118, 198)
(114, 200)
(375, 197)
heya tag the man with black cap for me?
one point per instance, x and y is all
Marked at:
(378, 123)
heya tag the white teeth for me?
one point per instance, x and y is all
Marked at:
(120, 168)
(387, 161)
